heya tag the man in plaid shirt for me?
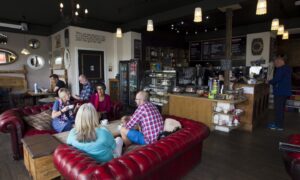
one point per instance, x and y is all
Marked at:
(87, 89)
(147, 117)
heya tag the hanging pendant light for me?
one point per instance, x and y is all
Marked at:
(119, 33)
(261, 7)
(150, 26)
(285, 35)
(280, 30)
(198, 14)
(275, 25)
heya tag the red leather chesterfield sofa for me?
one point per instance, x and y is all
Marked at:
(291, 155)
(169, 158)
(11, 122)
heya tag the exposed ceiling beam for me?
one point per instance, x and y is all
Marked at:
(187, 10)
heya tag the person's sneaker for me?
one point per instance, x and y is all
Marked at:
(272, 126)
(279, 129)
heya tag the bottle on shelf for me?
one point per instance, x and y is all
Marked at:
(35, 88)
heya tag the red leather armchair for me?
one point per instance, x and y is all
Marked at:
(291, 155)
(169, 158)
(11, 122)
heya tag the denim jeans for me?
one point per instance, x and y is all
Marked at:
(279, 104)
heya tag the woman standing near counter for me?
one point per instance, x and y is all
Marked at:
(282, 89)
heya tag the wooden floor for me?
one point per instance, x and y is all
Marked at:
(234, 156)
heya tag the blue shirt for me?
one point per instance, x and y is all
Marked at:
(63, 122)
(86, 91)
(282, 81)
(101, 149)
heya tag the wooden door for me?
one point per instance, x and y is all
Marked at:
(91, 64)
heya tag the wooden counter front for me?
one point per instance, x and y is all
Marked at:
(195, 108)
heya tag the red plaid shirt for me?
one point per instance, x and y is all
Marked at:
(150, 121)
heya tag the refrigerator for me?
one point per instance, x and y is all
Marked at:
(129, 81)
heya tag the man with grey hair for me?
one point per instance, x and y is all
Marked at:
(147, 117)
(87, 89)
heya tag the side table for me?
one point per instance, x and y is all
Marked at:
(38, 159)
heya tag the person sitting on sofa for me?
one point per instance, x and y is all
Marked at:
(87, 136)
(101, 101)
(148, 118)
(87, 89)
(58, 83)
(63, 112)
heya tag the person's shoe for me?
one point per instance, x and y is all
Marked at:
(272, 126)
(279, 129)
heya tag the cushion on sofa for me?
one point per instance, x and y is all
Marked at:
(40, 121)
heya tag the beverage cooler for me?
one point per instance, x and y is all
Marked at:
(129, 81)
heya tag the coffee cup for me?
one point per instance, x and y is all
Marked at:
(71, 106)
(104, 122)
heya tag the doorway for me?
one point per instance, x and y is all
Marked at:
(91, 64)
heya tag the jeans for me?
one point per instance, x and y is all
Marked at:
(279, 104)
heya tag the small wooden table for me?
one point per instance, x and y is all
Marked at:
(35, 96)
(38, 159)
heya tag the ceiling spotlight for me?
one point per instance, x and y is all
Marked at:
(205, 30)
(86, 11)
(172, 24)
(178, 31)
(196, 32)
(207, 17)
(186, 33)
(182, 22)
(76, 13)
(61, 5)
(216, 29)
(280, 30)
(77, 6)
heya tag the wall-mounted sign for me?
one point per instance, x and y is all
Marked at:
(89, 38)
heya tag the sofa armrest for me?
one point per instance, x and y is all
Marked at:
(11, 122)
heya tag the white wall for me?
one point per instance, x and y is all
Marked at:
(16, 44)
(266, 36)
(114, 49)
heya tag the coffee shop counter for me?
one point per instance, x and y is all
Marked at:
(201, 109)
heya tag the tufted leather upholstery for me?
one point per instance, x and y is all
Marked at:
(292, 159)
(171, 157)
(11, 121)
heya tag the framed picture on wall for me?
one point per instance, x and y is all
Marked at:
(137, 48)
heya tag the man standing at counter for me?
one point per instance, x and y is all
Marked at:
(282, 86)
(147, 117)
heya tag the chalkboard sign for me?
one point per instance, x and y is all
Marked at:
(214, 50)
(195, 51)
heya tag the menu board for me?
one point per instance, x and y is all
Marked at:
(215, 49)
(195, 51)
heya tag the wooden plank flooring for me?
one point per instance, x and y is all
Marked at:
(234, 156)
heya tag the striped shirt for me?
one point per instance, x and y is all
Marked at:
(149, 119)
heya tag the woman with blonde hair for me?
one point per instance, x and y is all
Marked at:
(87, 136)
(63, 112)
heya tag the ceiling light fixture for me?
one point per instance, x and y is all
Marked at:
(75, 8)
(261, 7)
(285, 35)
(198, 14)
(275, 24)
(150, 26)
(280, 30)
(119, 33)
